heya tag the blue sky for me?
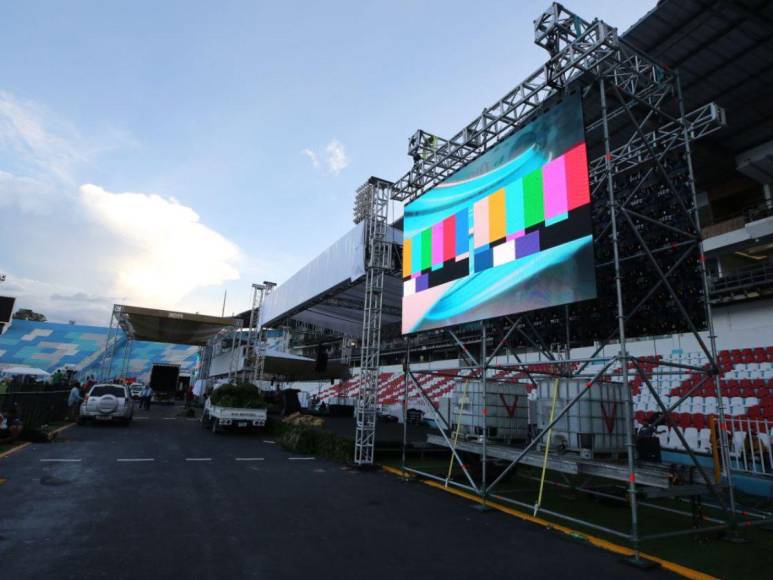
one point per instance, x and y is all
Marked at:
(157, 153)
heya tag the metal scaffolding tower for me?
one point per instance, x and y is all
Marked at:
(370, 206)
(647, 240)
(114, 334)
(256, 339)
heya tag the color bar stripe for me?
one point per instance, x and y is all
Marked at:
(534, 212)
(426, 249)
(416, 254)
(437, 244)
(462, 232)
(407, 258)
(449, 238)
(514, 218)
(554, 187)
(480, 229)
(496, 220)
(577, 176)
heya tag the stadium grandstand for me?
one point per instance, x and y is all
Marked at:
(51, 346)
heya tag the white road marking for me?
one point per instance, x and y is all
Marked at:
(301, 458)
(133, 459)
(198, 459)
(192, 419)
(169, 418)
(61, 460)
(249, 459)
(269, 442)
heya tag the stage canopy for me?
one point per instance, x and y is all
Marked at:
(170, 326)
(328, 292)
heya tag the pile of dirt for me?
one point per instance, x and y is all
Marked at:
(304, 420)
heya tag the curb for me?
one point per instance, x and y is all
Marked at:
(62, 428)
(13, 450)
(683, 571)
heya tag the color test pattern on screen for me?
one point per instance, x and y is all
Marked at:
(527, 197)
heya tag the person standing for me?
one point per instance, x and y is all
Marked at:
(74, 401)
(147, 394)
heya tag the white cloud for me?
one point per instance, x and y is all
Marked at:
(30, 195)
(76, 250)
(313, 157)
(59, 302)
(24, 130)
(333, 159)
(163, 252)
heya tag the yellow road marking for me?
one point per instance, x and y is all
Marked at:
(13, 450)
(598, 542)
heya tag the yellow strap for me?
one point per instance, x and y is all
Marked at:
(547, 448)
(456, 433)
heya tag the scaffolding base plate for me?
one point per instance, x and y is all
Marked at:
(640, 563)
(481, 507)
(735, 537)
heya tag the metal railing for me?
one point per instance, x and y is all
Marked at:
(35, 405)
(750, 445)
(739, 218)
(743, 279)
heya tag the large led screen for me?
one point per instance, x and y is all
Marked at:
(508, 233)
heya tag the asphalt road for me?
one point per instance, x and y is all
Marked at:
(166, 499)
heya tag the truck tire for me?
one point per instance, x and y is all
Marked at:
(204, 420)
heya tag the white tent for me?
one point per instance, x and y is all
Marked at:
(25, 371)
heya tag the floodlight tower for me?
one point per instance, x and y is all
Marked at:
(370, 207)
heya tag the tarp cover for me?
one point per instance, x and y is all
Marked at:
(170, 326)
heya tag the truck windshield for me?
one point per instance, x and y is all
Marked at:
(101, 390)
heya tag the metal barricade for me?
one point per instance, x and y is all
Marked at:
(36, 407)
(750, 445)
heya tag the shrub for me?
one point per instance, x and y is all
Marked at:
(240, 395)
(310, 441)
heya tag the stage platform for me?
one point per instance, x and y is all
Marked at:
(656, 475)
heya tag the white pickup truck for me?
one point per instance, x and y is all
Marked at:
(218, 418)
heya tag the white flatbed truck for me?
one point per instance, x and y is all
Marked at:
(216, 418)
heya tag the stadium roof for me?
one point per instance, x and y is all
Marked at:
(723, 52)
(170, 326)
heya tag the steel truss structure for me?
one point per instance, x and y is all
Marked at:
(115, 334)
(256, 338)
(648, 253)
(371, 206)
(121, 330)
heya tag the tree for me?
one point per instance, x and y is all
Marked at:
(27, 314)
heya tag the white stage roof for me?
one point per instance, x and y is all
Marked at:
(329, 291)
